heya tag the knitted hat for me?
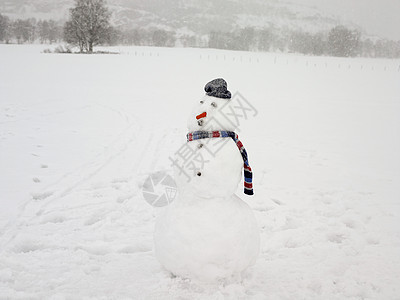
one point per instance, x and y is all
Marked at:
(217, 88)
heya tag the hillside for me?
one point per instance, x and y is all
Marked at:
(191, 17)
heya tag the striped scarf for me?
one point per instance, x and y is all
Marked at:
(248, 174)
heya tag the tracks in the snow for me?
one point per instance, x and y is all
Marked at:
(127, 152)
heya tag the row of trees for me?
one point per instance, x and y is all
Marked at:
(49, 32)
(89, 25)
(339, 41)
(30, 30)
(147, 37)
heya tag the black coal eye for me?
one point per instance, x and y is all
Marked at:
(198, 174)
(214, 104)
(201, 101)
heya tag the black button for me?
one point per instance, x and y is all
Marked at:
(198, 173)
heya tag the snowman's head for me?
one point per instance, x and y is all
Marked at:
(214, 170)
(206, 114)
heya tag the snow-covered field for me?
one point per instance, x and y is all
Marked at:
(80, 134)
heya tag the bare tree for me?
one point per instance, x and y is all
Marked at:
(23, 31)
(163, 38)
(89, 24)
(266, 38)
(5, 28)
(343, 41)
(43, 31)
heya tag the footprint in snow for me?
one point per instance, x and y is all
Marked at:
(292, 243)
(138, 248)
(263, 208)
(53, 218)
(123, 198)
(27, 245)
(94, 219)
(350, 223)
(372, 240)
(120, 180)
(276, 201)
(337, 238)
(41, 196)
(99, 249)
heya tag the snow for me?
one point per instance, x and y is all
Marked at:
(80, 134)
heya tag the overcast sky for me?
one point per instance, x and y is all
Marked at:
(380, 17)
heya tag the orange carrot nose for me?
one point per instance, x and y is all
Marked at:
(202, 115)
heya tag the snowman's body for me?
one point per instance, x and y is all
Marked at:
(208, 233)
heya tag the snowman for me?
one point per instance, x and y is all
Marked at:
(208, 233)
